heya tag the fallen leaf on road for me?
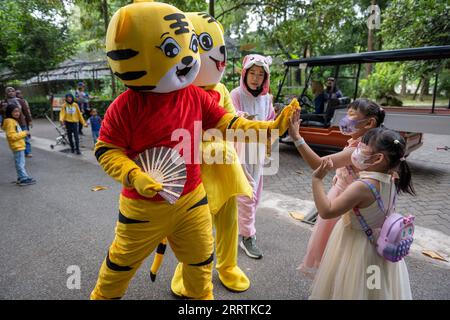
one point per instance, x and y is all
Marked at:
(299, 172)
(434, 255)
(297, 215)
(98, 188)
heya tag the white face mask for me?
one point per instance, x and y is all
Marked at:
(361, 160)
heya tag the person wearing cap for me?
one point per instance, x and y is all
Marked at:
(253, 100)
(82, 98)
(332, 90)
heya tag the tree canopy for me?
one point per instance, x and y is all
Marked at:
(38, 34)
(34, 37)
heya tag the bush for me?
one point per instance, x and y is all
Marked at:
(39, 109)
(381, 83)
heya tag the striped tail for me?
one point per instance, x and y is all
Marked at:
(159, 256)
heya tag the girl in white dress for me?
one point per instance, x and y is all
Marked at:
(351, 267)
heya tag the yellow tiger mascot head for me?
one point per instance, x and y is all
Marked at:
(212, 48)
(152, 46)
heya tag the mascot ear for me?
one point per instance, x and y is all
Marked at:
(122, 25)
(269, 60)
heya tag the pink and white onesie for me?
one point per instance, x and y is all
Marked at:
(261, 107)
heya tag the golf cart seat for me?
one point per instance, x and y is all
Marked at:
(322, 120)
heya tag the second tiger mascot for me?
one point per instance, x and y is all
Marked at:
(223, 179)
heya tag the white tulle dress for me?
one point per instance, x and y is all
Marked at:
(351, 268)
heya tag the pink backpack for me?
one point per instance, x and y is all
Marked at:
(396, 235)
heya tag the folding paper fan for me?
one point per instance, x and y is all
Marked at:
(166, 166)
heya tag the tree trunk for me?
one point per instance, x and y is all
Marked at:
(104, 8)
(425, 88)
(306, 53)
(370, 42)
(403, 90)
(211, 8)
(417, 88)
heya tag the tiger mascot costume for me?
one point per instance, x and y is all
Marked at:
(153, 49)
(221, 196)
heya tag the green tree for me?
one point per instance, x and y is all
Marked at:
(34, 38)
(418, 23)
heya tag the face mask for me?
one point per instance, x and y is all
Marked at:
(348, 126)
(360, 159)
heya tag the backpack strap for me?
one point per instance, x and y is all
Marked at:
(376, 194)
(367, 230)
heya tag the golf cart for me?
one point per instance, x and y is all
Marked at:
(321, 131)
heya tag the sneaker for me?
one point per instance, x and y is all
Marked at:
(27, 182)
(29, 155)
(250, 248)
(78, 152)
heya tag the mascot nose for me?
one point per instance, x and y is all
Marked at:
(187, 60)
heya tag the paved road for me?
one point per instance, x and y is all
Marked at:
(60, 222)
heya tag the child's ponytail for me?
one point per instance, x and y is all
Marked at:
(393, 146)
(404, 183)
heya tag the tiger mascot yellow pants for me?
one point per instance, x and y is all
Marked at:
(142, 224)
(222, 182)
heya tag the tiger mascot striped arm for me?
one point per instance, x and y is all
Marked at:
(120, 167)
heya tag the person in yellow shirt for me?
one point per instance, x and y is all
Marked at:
(16, 140)
(70, 116)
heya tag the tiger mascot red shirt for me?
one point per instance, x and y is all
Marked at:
(134, 124)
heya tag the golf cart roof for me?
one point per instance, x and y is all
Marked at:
(425, 53)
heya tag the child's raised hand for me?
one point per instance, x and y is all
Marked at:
(322, 170)
(294, 125)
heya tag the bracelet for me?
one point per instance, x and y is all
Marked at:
(299, 142)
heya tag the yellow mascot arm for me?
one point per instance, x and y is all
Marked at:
(121, 168)
(229, 121)
(227, 102)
